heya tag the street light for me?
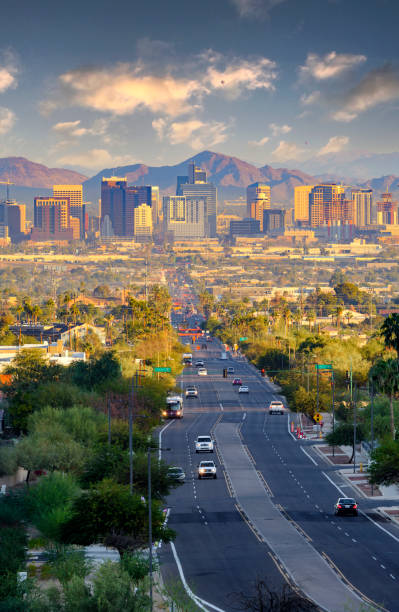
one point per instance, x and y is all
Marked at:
(149, 449)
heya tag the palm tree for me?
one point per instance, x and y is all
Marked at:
(36, 312)
(108, 319)
(390, 332)
(311, 317)
(385, 377)
(339, 311)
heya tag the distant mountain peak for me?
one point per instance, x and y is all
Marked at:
(25, 173)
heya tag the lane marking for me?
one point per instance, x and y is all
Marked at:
(221, 406)
(333, 483)
(160, 439)
(393, 577)
(200, 602)
(309, 457)
(244, 416)
(380, 526)
(383, 566)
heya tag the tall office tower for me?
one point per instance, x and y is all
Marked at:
(387, 210)
(181, 180)
(135, 197)
(51, 219)
(113, 206)
(196, 174)
(16, 214)
(184, 217)
(208, 193)
(325, 203)
(156, 205)
(142, 222)
(363, 199)
(258, 200)
(273, 219)
(301, 203)
(77, 206)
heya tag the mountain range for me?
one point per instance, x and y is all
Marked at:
(230, 174)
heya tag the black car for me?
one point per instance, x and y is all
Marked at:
(345, 505)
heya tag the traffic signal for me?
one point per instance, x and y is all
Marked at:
(225, 373)
(263, 373)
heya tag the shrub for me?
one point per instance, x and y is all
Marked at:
(8, 460)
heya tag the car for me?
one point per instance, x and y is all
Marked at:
(243, 389)
(176, 473)
(237, 381)
(199, 363)
(202, 372)
(204, 444)
(345, 505)
(207, 469)
(230, 370)
(191, 391)
(276, 407)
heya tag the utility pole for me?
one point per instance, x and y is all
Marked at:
(131, 405)
(150, 523)
(317, 377)
(372, 428)
(354, 436)
(333, 405)
(109, 419)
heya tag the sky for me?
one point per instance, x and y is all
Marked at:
(90, 85)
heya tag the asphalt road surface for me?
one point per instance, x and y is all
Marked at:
(266, 482)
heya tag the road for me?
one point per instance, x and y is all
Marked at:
(222, 550)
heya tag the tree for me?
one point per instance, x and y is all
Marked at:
(384, 375)
(390, 332)
(108, 513)
(384, 468)
(343, 434)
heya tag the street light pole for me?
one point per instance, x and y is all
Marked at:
(372, 428)
(333, 406)
(131, 404)
(150, 523)
(354, 435)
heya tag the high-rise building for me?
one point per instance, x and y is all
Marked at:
(52, 219)
(196, 174)
(258, 200)
(387, 210)
(363, 201)
(77, 206)
(156, 206)
(16, 214)
(142, 222)
(325, 204)
(301, 203)
(245, 227)
(208, 193)
(184, 217)
(113, 205)
(273, 220)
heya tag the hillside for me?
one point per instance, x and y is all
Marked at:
(25, 173)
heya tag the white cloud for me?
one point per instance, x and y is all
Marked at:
(279, 129)
(311, 98)
(334, 145)
(259, 143)
(378, 86)
(8, 71)
(255, 8)
(330, 65)
(74, 129)
(94, 159)
(287, 151)
(197, 134)
(238, 75)
(7, 119)
(172, 91)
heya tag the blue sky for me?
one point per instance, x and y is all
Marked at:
(91, 84)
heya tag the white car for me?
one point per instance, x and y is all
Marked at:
(204, 444)
(276, 407)
(199, 363)
(202, 372)
(191, 392)
(243, 389)
(207, 469)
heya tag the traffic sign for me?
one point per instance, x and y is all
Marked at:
(323, 366)
(242, 339)
(318, 417)
(162, 369)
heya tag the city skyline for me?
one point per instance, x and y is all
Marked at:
(269, 82)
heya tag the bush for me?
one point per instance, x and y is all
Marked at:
(67, 562)
(49, 502)
(8, 460)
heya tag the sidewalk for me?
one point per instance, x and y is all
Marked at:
(359, 477)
